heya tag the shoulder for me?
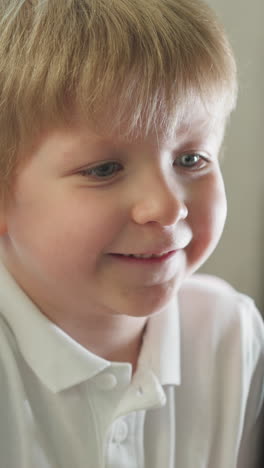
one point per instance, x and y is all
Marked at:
(204, 296)
(221, 323)
(207, 289)
(222, 362)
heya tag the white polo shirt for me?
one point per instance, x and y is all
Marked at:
(191, 403)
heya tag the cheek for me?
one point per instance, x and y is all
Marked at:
(67, 231)
(207, 217)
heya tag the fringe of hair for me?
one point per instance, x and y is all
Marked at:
(110, 61)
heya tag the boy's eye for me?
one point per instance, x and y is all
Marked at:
(192, 161)
(102, 171)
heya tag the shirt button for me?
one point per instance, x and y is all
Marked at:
(121, 432)
(106, 381)
(140, 391)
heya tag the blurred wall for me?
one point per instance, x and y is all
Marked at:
(239, 258)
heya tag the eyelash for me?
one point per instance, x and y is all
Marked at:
(201, 162)
(89, 172)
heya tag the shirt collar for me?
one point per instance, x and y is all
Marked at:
(161, 346)
(60, 362)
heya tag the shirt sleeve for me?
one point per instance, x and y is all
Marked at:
(253, 349)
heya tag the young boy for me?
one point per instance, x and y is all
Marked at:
(113, 354)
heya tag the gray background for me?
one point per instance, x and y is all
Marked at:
(239, 258)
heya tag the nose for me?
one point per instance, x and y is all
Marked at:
(159, 201)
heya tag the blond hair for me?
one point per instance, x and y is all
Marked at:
(144, 57)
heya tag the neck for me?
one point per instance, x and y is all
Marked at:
(118, 338)
(113, 337)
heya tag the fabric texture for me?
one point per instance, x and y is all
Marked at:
(193, 401)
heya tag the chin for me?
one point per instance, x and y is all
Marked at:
(152, 300)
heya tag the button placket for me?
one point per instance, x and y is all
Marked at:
(125, 446)
(120, 432)
(106, 381)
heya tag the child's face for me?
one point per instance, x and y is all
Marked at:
(82, 202)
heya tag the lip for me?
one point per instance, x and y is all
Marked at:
(146, 261)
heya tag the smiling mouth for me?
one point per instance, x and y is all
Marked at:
(145, 257)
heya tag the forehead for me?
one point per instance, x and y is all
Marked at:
(190, 120)
(194, 125)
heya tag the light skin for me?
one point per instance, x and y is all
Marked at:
(81, 198)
